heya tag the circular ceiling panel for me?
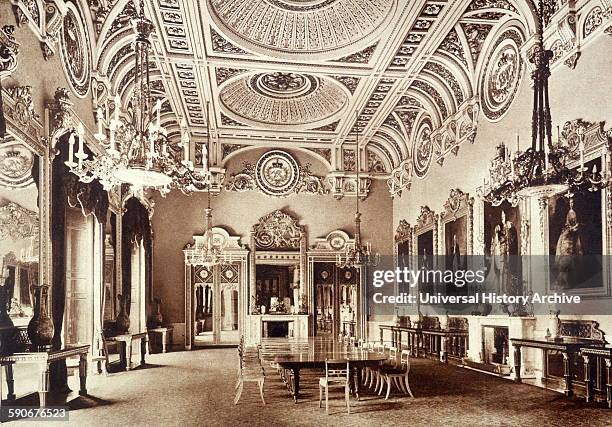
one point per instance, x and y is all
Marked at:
(283, 99)
(296, 27)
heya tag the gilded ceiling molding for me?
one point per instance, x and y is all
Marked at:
(280, 99)
(417, 34)
(9, 49)
(381, 91)
(361, 57)
(289, 28)
(17, 222)
(44, 19)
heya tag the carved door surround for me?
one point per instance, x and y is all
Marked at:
(230, 275)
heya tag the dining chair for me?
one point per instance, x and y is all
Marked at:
(250, 370)
(337, 375)
(397, 375)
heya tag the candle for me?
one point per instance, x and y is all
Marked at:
(99, 117)
(71, 149)
(117, 103)
(581, 154)
(517, 143)
(113, 146)
(512, 168)
(81, 155)
(546, 149)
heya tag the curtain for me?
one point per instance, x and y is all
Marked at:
(67, 190)
(136, 227)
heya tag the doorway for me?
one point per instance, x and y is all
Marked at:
(216, 308)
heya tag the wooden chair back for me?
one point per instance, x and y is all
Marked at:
(337, 371)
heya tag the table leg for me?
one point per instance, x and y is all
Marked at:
(43, 384)
(10, 382)
(128, 355)
(443, 358)
(609, 382)
(517, 363)
(356, 370)
(567, 374)
(296, 384)
(143, 350)
(83, 374)
(163, 338)
(587, 378)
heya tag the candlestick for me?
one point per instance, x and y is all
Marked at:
(159, 104)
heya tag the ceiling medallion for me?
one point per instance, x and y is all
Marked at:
(75, 51)
(16, 166)
(502, 75)
(283, 99)
(293, 27)
(284, 85)
(277, 173)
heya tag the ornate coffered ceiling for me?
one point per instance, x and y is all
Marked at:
(413, 77)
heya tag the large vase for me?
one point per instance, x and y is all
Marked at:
(40, 328)
(122, 322)
(156, 319)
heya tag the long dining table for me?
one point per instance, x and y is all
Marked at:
(312, 354)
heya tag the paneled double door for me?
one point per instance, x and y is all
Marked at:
(216, 304)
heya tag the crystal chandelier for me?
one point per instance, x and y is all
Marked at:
(541, 171)
(357, 255)
(138, 152)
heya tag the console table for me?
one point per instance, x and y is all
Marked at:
(127, 340)
(165, 334)
(438, 343)
(603, 361)
(43, 359)
(568, 347)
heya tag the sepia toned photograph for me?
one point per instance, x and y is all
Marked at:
(306, 212)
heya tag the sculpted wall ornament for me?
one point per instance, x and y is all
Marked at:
(277, 174)
(336, 240)
(76, 55)
(401, 178)
(345, 184)
(403, 232)
(17, 222)
(21, 118)
(502, 75)
(422, 149)
(16, 163)
(277, 230)
(9, 49)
